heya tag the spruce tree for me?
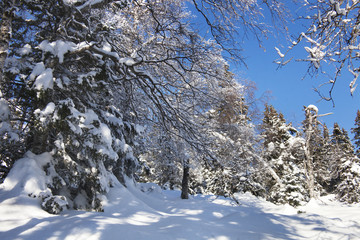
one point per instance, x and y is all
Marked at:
(356, 132)
(323, 161)
(346, 168)
(65, 91)
(282, 153)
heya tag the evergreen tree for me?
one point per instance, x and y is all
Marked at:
(11, 144)
(346, 168)
(340, 139)
(11, 139)
(55, 90)
(285, 183)
(315, 151)
(323, 161)
(356, 132)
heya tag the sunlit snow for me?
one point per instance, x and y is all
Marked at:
(144, 211)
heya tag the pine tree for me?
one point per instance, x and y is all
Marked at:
(323, 161)
(282, 154)
(356, 132)
(346, 168)
(56, 90)
(11, 141)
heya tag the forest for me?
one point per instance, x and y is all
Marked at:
(143, 91)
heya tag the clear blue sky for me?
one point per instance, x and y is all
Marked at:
(290, 93)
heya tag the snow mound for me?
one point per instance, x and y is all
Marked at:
(27, 178)
(27, 175)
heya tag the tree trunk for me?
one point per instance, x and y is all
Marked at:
(310, 172)
(185, 180)
(5, 35)
(309, 167)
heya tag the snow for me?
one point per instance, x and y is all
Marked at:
(59, 48)
(353, 84)
(355, 168)
(313, 108)
(5, 125)
(139, 129)
(279, 52)
(43, 77)
(45, 80)
(4, 110)
(25, 50)
(38, 69)
(27, 176)
(49, 109)
(71, 2)
(87, 3)
(144, 211)
(271, 147)
(127, 61)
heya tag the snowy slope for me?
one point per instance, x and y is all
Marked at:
(155, 214)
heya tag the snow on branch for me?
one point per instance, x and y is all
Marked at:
(59, 48)
(331, 41)
(313, 108)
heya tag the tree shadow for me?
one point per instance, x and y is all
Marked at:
(172, 218)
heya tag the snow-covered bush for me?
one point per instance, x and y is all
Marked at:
(54, 204)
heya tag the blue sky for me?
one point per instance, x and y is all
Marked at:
(289, 92)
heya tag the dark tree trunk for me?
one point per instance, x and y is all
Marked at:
(185, 181)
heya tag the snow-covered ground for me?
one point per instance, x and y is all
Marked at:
(144, 211)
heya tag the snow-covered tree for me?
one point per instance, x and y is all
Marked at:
(72, 86)
(346, 170)
(11, 144)
(341, 139)
(323, 161)
(160, 159)
(234, 141)
(230, 141)
(283, 176)
(7, 12)
(142, 58)
(356, 132)
(313, 144)
(318, 161)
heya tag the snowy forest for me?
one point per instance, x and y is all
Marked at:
(95, 92)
